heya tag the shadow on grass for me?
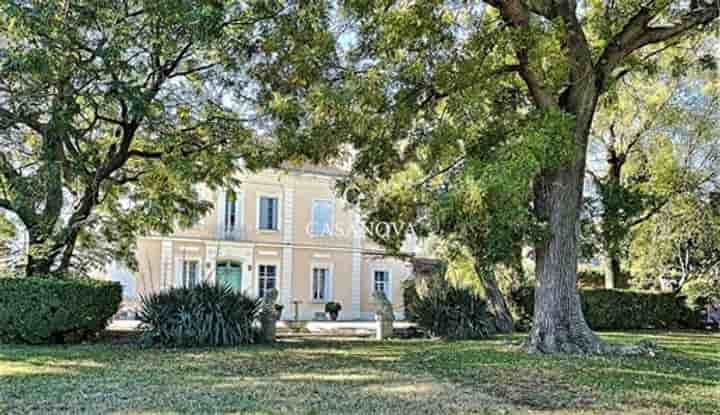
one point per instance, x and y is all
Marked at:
(360, 377)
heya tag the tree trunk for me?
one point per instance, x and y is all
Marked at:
(37, 265)
(496, 302)
(559, 324)
(613, 273)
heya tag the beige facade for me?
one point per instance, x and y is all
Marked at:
(314, 252)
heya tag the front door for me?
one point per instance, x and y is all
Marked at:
(230, 274)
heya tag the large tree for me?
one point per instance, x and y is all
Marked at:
(490, 104)
(653, 138)
(111, 111)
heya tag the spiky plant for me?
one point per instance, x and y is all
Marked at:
(204, 315)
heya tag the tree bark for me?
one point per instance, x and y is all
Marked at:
(613, 273)
(559, 324)
(496, 302)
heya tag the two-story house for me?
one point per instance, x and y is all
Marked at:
(285, 230)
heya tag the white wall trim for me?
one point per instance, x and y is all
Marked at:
(289, 215)
(355, 281)
(166, 264)
(285, 297)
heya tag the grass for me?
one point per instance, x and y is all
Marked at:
(362, 377)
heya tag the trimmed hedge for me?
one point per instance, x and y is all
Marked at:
(607, 309)
(39, 310)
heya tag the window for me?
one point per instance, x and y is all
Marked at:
(322, 211)
(320, 283)
(268, 213)
(267, 279)
(190, 273)
(230, 211)
(381, 282)
(230, 274)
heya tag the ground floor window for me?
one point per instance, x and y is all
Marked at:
(381, 282)
(267, 279)
(320, 283)
(190, 273)
(230, 274)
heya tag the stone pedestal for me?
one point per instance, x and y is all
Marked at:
(384, 327)
(268, 326)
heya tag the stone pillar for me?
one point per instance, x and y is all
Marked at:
(166, 257)
(356, 277)
(286, 288)
(383, 327)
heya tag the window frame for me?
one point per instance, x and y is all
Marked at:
(238, 211)
(258, 286)
(185, 277)
(328, 289)
(258, 215)
(331, 224)
(387, 284)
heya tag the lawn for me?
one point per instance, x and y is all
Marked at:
(362, 377)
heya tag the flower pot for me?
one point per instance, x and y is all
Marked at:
(333, 316)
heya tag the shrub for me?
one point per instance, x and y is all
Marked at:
(449, 312)
(333, 307)
(204, 315)
(40, 310)
(591, 278)
(606, 309)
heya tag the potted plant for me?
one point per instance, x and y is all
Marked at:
(333, 309)
(278, 309)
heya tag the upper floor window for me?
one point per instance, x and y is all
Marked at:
(381, 282)
(231, 219)
(190, 273)
(267, 279)
(268, 213)
(320, 283)
(322, 211)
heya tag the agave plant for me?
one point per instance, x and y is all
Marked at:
(204, 315)
(452, 313)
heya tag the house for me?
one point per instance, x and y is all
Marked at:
(283, 229)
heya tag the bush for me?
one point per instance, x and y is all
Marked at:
(591, 278)
(606, 309)
(40, 310)
(333, 307)
(204, 315)
(448, 312)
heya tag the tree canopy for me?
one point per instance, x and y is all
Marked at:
(473, 120)
(112, 111)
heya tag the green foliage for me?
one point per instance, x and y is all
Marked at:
(606, 309)
(703, 291)
(36, 309)
(204, 315)
(680, 242)
(112, 112)
(333, 307)
(448, 312)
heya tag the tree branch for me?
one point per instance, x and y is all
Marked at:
(638, 33)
